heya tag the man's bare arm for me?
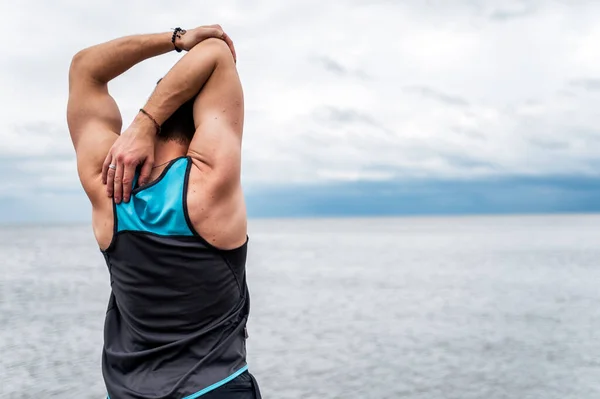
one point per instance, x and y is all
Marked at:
(136, 145)
(92, 69)
(92, 114)
(209, 72)
(182, 83)
(214, 185)
(106, 61)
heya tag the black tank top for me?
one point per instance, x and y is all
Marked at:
(176, 320)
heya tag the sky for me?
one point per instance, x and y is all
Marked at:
(355, 107)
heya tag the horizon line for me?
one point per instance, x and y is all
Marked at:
(468, 215)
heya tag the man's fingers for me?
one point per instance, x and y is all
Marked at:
(146, 171)
(110, 178)
(118, 182)
(217, 31)
(128, 174)
(105, 169)
(230, 44)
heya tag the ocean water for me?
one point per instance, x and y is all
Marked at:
(422, 308)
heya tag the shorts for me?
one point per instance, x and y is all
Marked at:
(243, 386)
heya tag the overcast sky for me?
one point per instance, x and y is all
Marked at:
(341, 93)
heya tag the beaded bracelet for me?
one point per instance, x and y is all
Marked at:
(177, 33)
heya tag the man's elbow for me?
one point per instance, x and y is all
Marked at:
(77, 63)
(80, 58)
(80, 63)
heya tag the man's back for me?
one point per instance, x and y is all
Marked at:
(178, 309)
(175, 249)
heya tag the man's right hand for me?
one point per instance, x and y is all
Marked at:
(134, 147)
(194, 36)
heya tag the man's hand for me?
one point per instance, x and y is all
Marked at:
(134, 147)
(194, 36)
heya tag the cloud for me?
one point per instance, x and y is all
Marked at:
(336, 68)
(428, 92)
(346, 116)
(549, 144)
(341, 91)
(586, 84)
(519, 9)
(332, 65)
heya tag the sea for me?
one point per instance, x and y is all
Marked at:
(487, 307)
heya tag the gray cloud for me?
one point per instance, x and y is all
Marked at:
(466, 162)
(549, 144)
(524, 9)
(434, 94)
(40, 174)
(589, 84)
(36, 138)
(586, 134)
(471, 133)
(347, 116)
(337, 68)
(20, 160)
(40, 127)
(332, 65)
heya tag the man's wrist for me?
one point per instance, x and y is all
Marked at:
(144, 124)
(176, 39)
(177, 44)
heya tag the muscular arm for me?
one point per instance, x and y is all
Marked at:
(92, 114)
(182, 82)
(215, 201)
(209, 72)
(135, 145)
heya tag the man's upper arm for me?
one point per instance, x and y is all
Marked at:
(219, 119)
(94, 123)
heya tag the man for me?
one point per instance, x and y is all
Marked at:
(174, 235)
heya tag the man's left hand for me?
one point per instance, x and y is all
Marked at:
(194, 36)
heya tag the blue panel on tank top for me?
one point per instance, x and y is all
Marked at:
(158, 208)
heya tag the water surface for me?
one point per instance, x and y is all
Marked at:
(423, 308)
